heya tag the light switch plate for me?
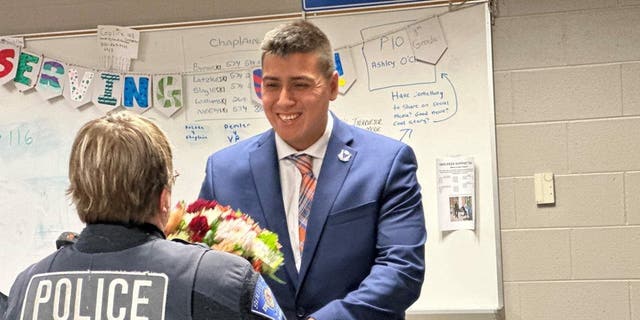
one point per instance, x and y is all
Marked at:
(544, 188)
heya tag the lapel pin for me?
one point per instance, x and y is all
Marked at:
(344, 155)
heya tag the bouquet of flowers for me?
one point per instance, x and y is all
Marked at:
(225, 229)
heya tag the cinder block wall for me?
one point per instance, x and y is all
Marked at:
(567, 89)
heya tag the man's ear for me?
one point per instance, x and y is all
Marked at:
(334, 85)
(165, 202)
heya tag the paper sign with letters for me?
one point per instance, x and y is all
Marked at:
(167, 93)
(427, 40)
(9, 56)
(77, 90)
(117, 46)
(28, 71)
(456, 193)
(107, 90)
(52, 78)
(136, 95)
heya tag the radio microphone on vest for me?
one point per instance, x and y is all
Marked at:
(66, 238)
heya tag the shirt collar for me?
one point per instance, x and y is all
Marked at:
(316, 150)
(110, 237)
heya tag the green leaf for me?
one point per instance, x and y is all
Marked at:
(209, 238)
(270, 239)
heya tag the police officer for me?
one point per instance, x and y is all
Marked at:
(3, 304)
(121, 266)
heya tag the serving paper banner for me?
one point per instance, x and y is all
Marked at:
(456, 193)
(107, 90)
(388, 51)
(345, 68)
(256, 85)
(167, 93)
(137, 93)
(9, 57)
(79, 84)
(28, 70)
(52, 78)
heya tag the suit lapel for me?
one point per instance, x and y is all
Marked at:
(332, 176)
(266, 176)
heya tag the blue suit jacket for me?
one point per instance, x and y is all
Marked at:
(364, 250)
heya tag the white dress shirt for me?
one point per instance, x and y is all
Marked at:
(290, 179)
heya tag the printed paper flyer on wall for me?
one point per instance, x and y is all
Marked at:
(456, 193)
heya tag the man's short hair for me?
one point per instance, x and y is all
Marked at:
(300, 36)
(118, 168)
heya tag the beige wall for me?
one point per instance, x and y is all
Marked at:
(37, 16)
(567, 81)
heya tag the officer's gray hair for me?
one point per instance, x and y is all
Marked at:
(118, 168)
(300, 36)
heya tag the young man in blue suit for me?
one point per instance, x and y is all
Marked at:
(353, 228)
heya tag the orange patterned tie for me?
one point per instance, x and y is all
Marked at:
(307, 188)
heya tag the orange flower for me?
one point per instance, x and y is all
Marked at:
(174, 218)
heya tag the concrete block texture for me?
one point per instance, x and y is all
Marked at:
(631, 196)
(604, 145)
(574, 300)
(567, 81)
(566, 38)
(512, 308)
(566, 93)
(528, 42)
(536, 255)
(507, 203)
(503, 97)
(527, 7)
(630, 85)
(606, 253)
(581, 200)
(526, 149)
(634, 294)
(602, 36)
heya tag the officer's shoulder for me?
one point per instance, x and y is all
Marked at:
(211, 257)
(214, 258)
(224, 273)
(193, 245)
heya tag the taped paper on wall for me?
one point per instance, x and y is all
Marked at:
(456, 193)
(117, 46)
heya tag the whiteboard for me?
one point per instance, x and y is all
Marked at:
(454, 116)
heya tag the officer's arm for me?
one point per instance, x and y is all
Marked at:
(262, 302)
(227, 287)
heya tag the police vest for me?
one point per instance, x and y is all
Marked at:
(150, 281)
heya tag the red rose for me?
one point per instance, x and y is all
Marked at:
(198, 228)
(200, 204)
